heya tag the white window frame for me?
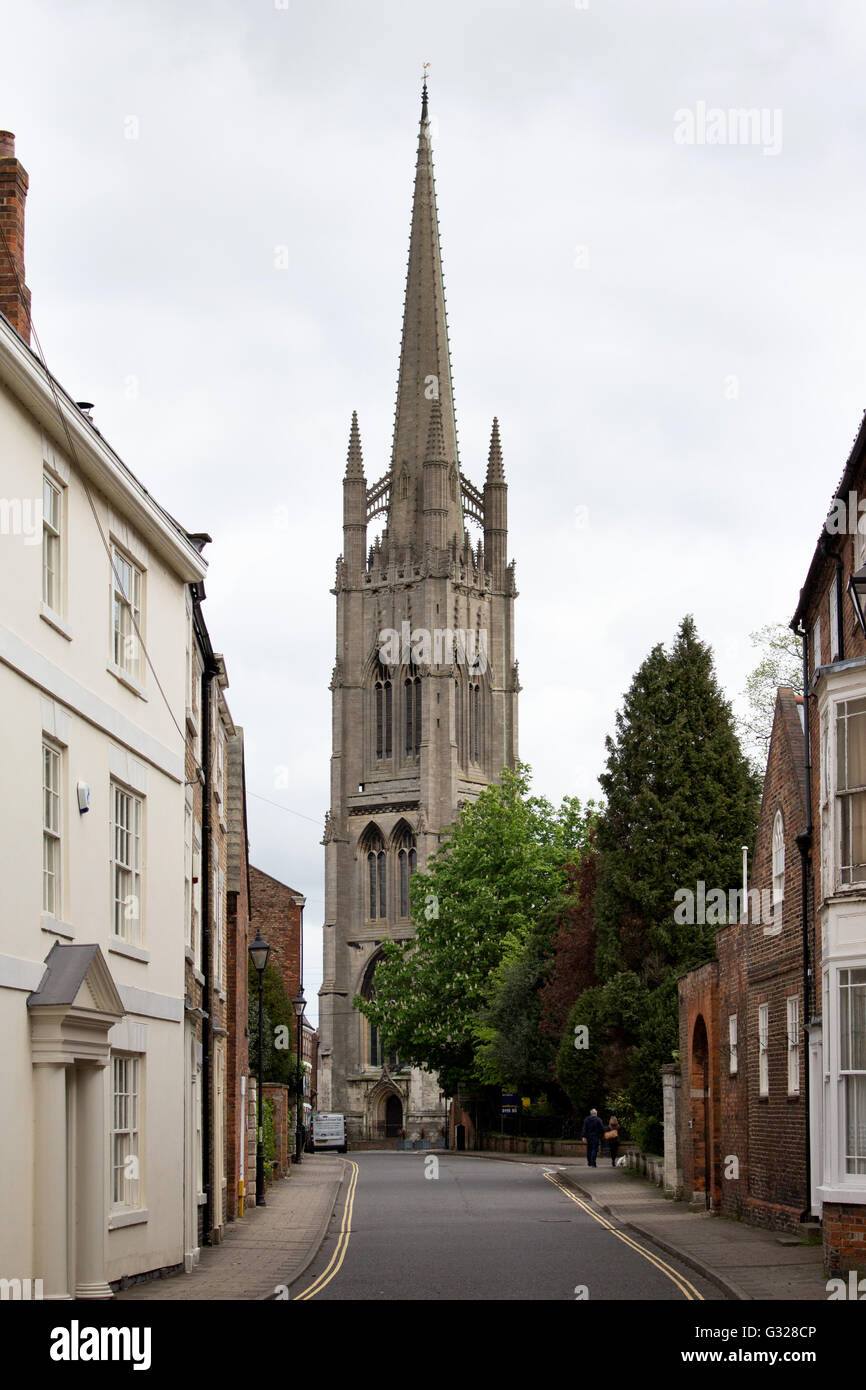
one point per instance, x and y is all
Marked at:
(52, 543)
(833, 612)
(734, 1058)
(126, 1183)
(847, 875)
(792, 1009)
(188, 871)
(196, 894)
(52, 828)
(778, 859)
(852, 1079)
(197, 673)
(127, 837)
(763, 1049)
(816, 644)
(127, 614)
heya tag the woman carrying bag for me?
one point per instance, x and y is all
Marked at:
(611, 1134)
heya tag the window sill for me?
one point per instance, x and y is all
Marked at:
(54, 620)
(191, 723)
(189, 956)
(57, 927)
(197, 975)
(127, 680)
(841, 1192)
(125, 948)
(118, 1219)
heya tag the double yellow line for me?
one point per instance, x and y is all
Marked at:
(342, 1242)
(686, 1289)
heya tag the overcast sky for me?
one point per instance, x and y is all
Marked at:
(670, 333)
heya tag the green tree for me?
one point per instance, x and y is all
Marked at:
(781, 663)
(279, 1057)
(473, 907)
(514, 1047)
(681, 801)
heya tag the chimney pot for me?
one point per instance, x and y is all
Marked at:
(7, 144)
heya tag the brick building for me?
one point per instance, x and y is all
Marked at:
(743, 1133)
(830, 619)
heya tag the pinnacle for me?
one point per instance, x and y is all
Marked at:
(495, 471)
(435, 451)
(355, 461)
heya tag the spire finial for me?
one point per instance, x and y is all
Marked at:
(424, 93)
(495, 471)
(354, 461)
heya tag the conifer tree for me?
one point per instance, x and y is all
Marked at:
(681, 802)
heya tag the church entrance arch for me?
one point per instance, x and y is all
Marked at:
(393, 1117)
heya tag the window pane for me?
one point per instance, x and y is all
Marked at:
(856, 752)
(855, 1124)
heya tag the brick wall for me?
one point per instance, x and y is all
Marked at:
(844, 1238)
(277, 913)
(699, 1062)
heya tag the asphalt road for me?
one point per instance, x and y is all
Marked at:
(480, 1229)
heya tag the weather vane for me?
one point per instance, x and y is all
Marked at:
(426, 66)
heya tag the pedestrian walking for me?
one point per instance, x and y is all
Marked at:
(593, 1129)
(611, 1134)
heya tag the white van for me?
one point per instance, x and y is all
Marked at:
(329, 1132)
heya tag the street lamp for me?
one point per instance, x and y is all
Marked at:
(299, 1003)
(259, 952)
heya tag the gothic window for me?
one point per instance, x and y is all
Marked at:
(377, 1052)
(412, 709)
(474, 722)
(377, 899)
(778, 859)
(407, 862)
(453, 481)
(384, 714)
(458, 720)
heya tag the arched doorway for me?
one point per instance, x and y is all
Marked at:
(700, 1112)
(393, 1117)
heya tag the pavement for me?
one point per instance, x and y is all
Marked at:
(745, 1262)
(269, 1247)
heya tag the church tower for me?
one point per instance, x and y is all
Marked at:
(424, 687)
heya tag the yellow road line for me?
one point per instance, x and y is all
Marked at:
(342, 1242)
(686, 1289)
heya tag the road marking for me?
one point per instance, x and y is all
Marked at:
(342, 1242)
(686, 1289)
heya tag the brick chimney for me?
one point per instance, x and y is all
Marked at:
(14, 303)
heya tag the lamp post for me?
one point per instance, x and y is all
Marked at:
(299, 1003)
(259, 952)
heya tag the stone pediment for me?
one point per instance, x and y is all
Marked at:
(75, 1006)
(78, 977)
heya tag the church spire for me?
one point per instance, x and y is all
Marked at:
(425, 365)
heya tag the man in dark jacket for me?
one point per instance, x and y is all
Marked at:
(593, 1129)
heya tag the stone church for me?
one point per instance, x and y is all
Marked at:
(424, 687)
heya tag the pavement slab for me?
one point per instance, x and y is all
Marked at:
(269, 1246)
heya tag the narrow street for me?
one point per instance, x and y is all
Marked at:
(480, 1230)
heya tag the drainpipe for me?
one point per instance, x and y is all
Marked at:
(804, 845)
